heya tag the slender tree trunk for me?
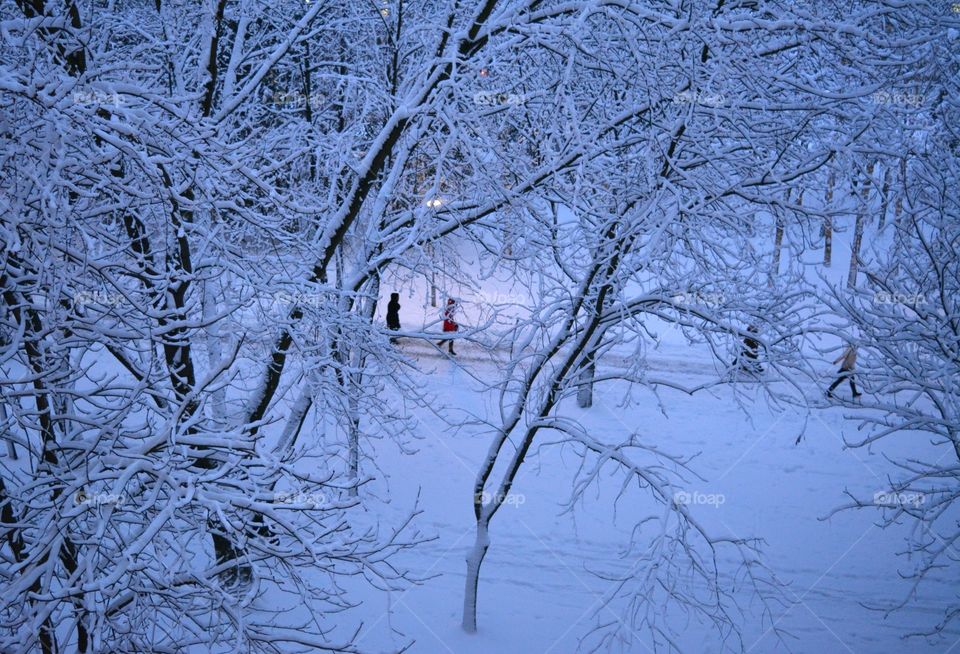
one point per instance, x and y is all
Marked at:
(884, 197)
(800, 198)
(214, 349)
(858, 229)
(308, 108)
(828, 222)
(778, 238)
(353, 438)
(433, 276)
(588, 337)
(474, 560)
(11, 449)
(901, 193)
(43, 365)
(777, 245)
(585, 381)
(354, 379)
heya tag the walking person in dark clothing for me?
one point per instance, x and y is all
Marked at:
(847, 361)
(750, 354)
(393, 314)
(449, 324)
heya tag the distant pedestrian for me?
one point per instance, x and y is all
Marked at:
(393, 314)
(449, 323)
(848, 362)
(750, 354)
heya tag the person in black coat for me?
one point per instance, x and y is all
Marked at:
(393, 314)
(750, 353)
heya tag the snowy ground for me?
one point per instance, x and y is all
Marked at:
(538, 592)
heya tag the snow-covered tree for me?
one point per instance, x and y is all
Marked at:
(905, 316)
(149, 211)
(727, 114)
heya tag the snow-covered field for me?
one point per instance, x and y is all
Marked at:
(539, 588)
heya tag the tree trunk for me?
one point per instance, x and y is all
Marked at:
(858, 230)
(214, 339)
(778, 238)
(474, 561)
(11, 449)
(354, 379)
(432, 281)
(306, 226)
(777, 245)
(800, 198)
(885, 197)
(585, 383)
(353, 439)
(901, 192)
(828, 222)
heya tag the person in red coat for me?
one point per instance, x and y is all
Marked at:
(449, 324)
